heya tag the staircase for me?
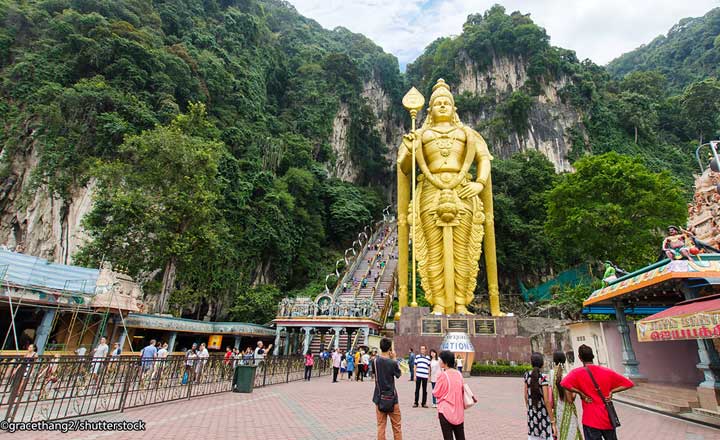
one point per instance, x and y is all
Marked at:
(664, 397)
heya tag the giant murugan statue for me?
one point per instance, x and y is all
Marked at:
(451, 212)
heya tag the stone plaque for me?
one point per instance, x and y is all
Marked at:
(457, 325)
(485, 327)
(432, 327)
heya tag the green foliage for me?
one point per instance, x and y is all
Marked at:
(256, 304)
(613, 208)
(688, 53)
(569, 299)
(701, 103)
(500, 369)
(519, 187)
(233, 194)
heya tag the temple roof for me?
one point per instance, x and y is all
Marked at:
(660, 283)
(159, 322)
(26, 271)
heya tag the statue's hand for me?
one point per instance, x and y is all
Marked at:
(470, 189)
(409, 140)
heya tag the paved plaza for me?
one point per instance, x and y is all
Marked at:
(325, 411)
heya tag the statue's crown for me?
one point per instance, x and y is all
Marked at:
(441, 89)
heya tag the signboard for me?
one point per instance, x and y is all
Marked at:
(485, 327)
(432, 327)
(458, 343)
(677, 328)
(215, 342)
(457, 325)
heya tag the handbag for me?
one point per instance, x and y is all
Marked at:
(612, 414)
(387, 398)
(468, 397)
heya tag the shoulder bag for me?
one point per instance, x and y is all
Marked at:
(386, 403)
(612, 414)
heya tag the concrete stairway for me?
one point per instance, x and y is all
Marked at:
(670, 398)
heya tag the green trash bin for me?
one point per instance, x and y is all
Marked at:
(244, 378)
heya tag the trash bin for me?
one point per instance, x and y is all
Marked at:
(244, 378)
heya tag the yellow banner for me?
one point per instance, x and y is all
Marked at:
(695, 326)
(215, 342)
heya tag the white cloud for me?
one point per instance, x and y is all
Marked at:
(597, 29)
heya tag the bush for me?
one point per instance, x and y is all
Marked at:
(499, 370)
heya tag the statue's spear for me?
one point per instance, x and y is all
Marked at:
(413, 101)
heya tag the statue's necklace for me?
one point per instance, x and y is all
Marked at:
(445, 142)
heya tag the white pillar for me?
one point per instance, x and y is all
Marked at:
(276, 346)
(308, 337)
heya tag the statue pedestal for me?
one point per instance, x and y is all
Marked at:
(493, 338)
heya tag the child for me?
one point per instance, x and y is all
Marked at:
(343, 368)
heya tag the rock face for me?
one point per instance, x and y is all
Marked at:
(42, 224)
(388, 125)
(549, 119)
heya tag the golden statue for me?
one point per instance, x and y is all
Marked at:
(451, 214)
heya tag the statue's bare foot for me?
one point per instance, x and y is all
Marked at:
(438, 310)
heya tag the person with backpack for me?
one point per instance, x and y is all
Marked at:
(596, 386)
(385, 395)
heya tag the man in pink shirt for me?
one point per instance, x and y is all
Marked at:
(595, 418)
(336, 360)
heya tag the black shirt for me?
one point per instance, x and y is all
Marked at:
(385, 373)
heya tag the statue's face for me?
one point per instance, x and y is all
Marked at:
(442, 109)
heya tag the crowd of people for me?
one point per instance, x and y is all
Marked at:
(549, 397)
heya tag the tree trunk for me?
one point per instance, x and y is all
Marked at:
(636, 134)
(168, 283)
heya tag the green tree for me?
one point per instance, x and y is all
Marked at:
(701, 102)
(637, 112)
(614, 208)
(256, 304)
(157, 206)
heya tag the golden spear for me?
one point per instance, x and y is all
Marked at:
(413, 101)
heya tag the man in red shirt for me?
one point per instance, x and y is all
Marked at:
(595, 419)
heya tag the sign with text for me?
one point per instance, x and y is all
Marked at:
(485, 327)
(457, 325)
(432, 327)
(694, 326)
(457, 342)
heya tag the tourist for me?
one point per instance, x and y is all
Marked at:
(564, 409)
(49, 375)
(411, 364)
(537, 401)
(365, 363)
(247, 357)
(459, 363)
(595, 418)
(385, 395)
(228, 355)
(350, 365)
(434, 372)
(358, 365)
(191, 357)
(309, 362)
(343, 367)
(261, 352)
(422, 372)
(21, 373)
(203, 356)
(336, 360)
(147, 356)
(99, 354)
(236, 357)
(160, 363)
(80, 351)
(449, 394)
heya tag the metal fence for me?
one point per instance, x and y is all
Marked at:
(52, 388)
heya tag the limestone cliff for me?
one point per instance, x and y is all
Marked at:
(43, 225)
(388, 125)
(549, 119)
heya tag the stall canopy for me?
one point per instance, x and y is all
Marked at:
(694, 319)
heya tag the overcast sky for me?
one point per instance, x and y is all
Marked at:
(597, 29)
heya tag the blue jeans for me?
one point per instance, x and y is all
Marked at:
(432, 387)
